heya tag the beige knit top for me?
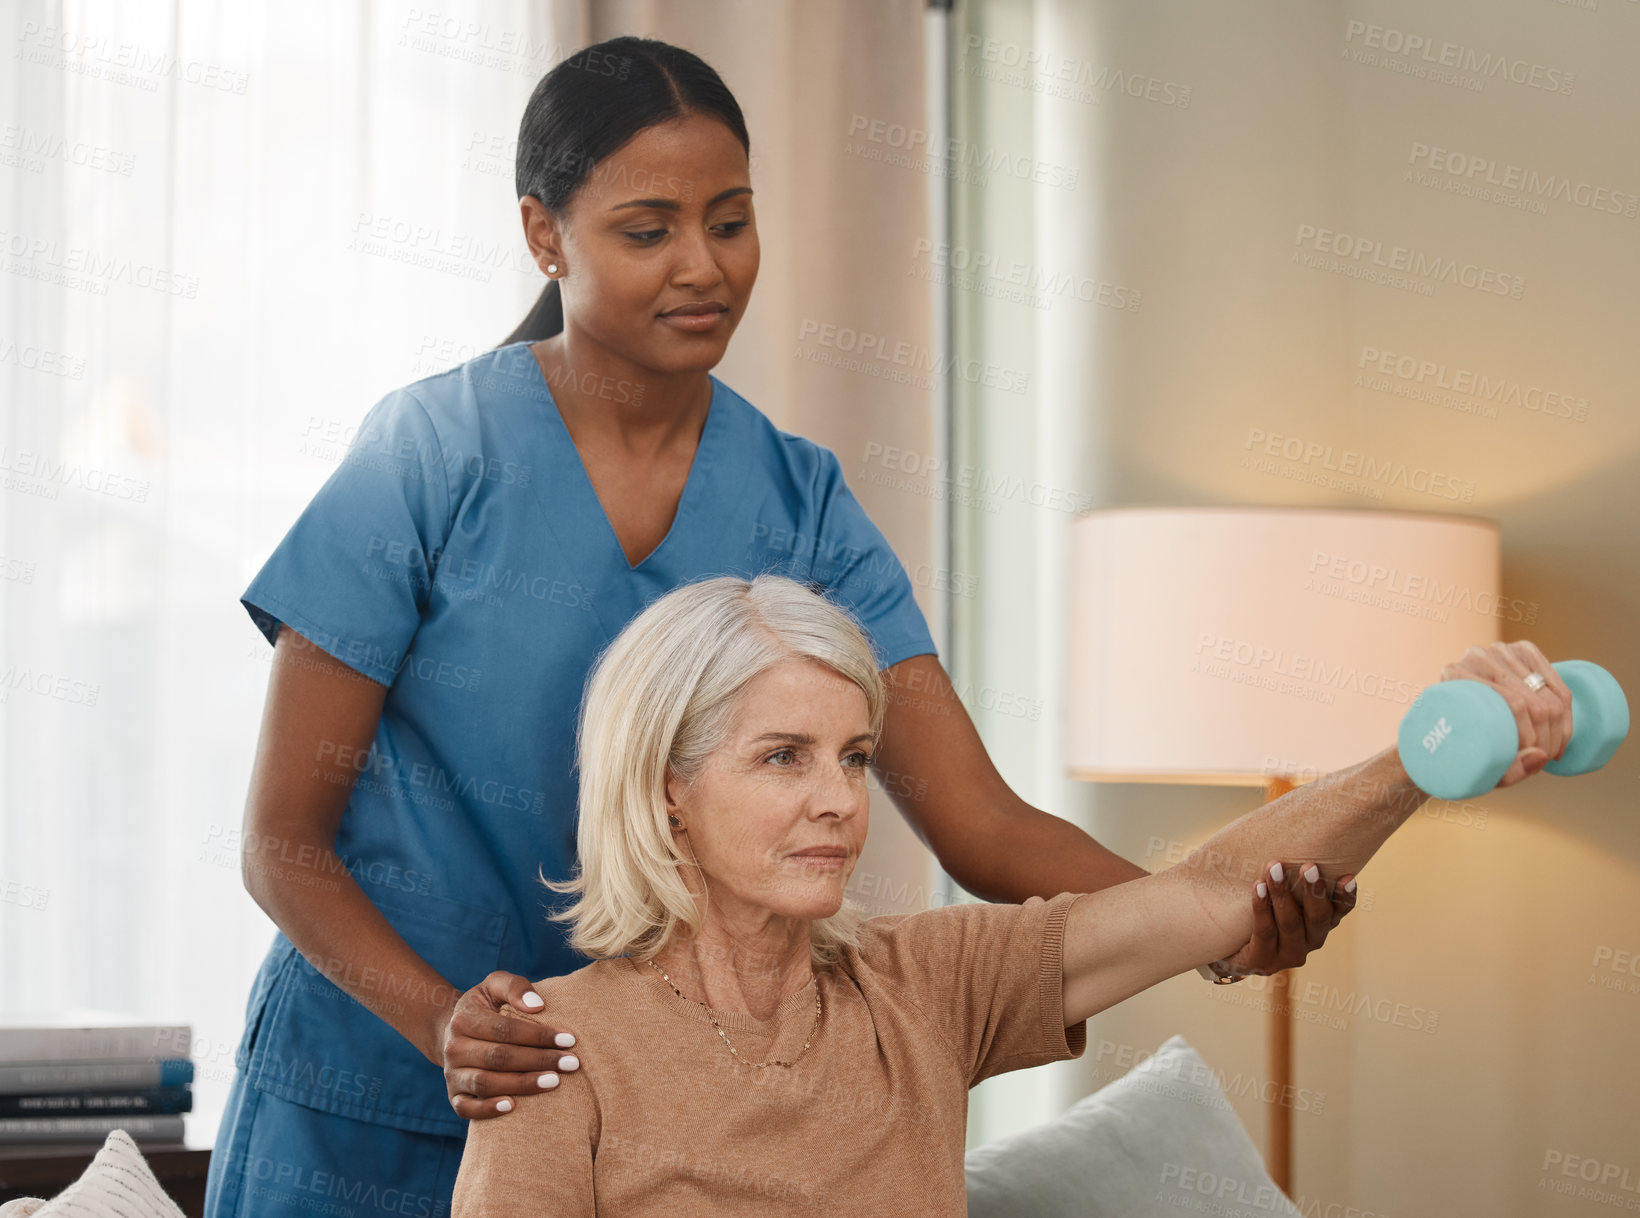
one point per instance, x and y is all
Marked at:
(662, 1120)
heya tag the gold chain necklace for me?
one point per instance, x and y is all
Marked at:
(709, 1015)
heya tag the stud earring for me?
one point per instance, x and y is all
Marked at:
(552, 268)
(676, 823)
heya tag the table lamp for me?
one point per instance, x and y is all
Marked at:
(1250, 646)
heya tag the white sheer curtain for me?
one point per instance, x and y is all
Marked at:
(228, 229)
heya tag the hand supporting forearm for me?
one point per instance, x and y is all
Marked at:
(1125, 939)
(1337, 822)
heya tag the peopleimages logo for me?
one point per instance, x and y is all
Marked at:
(1352, 463)
(983, 270)
(1414, 585)
(1591, 1179)
(899, 359)
(1214, 654)
(1056, 75)
(1197, 1077)
(1501, 390)
(1441, 53)
(75, 266)
(1613, 968)
(24, 146)
(1462, 168)
(1364, 257)
(118, 61)
(914, 143)
(988, 486)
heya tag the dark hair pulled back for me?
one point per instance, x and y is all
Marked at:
(586, 109)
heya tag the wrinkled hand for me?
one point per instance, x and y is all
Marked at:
(489, 1054)
(1287, 928)
(1543, 716)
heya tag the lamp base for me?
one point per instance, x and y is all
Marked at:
(1279, 1051)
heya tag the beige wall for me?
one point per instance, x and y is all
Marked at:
(1501, 920)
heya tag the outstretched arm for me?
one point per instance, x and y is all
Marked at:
(1125, 939)
(933, 765)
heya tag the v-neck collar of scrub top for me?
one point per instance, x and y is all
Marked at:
(708, 500)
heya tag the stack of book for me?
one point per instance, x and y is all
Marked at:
(75, 1079)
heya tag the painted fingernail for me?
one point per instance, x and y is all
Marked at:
(547, 1081)
(569, 1062)
(504, 1106)
(533, 1001)
(1312, 874)
(563, 1040)
(1276, 873)
(1350, 887)
(1263, 890)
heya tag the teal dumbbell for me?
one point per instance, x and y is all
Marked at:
(1460, 737)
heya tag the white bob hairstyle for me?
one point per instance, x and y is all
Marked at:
(662, 695)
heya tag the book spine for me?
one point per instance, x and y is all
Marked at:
(148, 1042)
(46, 1077)
(117, 1103)
(89, 1128)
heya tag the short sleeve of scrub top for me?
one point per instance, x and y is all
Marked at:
(459, 554)
(352, 574)
(859, 569)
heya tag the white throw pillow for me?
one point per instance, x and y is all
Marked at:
(118, 1183)
(1162, 1139)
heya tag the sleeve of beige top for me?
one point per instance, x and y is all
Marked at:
(990, 978)
(536, 1159)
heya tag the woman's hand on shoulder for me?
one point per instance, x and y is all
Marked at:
(494, 1044)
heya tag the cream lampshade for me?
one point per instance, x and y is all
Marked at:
(1247, 646)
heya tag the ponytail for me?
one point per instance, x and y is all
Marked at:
(545, 318)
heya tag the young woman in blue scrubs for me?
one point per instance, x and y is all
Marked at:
(434, 612)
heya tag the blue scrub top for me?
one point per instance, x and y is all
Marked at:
(459, 555)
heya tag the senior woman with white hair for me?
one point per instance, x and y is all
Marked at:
(825, 1060)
